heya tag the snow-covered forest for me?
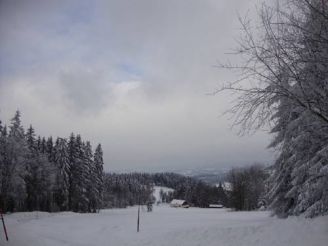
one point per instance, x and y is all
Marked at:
(65, 175)
(48, 175)
(122, 190)
(288, 65)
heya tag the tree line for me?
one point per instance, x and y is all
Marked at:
(123, 190)
(42, 174)
(66, 175)
(248, 187)
(127, 189)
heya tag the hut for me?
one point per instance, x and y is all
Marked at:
(215, 206)
(176, 203)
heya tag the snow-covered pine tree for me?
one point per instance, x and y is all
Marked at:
(50, 149)
(43, 146)
(280, 181)
(311, 171)
(32, 176)
(99, 170)
(38, 178)
(61, 159)
(30, 138)
(16, 164)
(90, 179)
(38, 144)
(4, 167)
(79, 177)
(9, 169)
(72, 155)
(84, 170)
(300, 181)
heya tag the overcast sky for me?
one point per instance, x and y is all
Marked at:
(130, 74)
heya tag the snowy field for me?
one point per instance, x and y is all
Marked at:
(163, 226)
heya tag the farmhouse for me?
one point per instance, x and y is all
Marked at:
(216, 206)
(179, 203)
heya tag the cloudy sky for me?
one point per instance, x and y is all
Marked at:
(130, 74)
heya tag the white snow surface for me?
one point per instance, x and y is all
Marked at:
(162, 227)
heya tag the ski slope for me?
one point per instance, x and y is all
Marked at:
(164, 226)
(157, 190)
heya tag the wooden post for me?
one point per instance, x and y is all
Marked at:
(138, 221)
(3, 224)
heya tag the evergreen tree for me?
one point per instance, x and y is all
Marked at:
(15, 166)
(50, 149)
(4, 167)
(79, 173)
(99, 169)
(90, 180)
(300, 180)
(72, 155)
(38, 177)
(38, 144)
(43, 146)
(30, 138)
(32, 176)
(61, 158)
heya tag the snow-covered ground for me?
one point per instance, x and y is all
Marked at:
(163, 226)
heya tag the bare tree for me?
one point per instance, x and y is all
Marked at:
(248, 185)
(282, 58)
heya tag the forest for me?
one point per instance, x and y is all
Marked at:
(66, 175)
(121, 190)
(281, 88)
(48, 175)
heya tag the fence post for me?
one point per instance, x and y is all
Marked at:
(4, 226)
(138, 221)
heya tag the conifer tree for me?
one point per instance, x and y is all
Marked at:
(50, 149)
(99, 169)
(16, 164)
(91, 180)
(30, 138)
(61, 159)
(79, 176)
(72, 155)
(38, 144)
(43, 146)
(39, 176)
(4, 167)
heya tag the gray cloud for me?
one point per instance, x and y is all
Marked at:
(130, 74)
(85, 91)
